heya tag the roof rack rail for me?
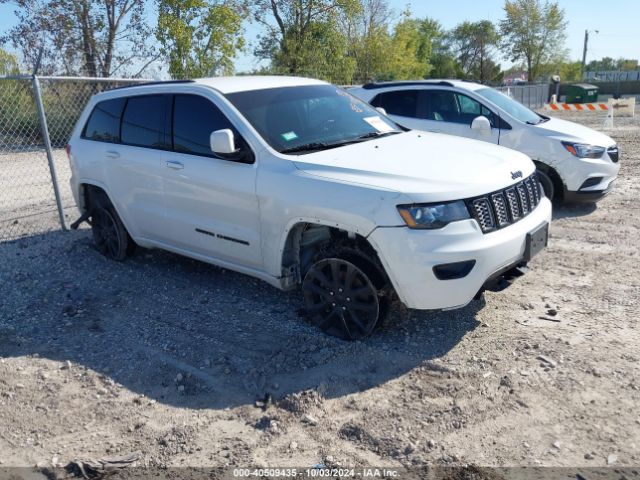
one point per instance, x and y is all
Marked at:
(374, 85)
(146, 84)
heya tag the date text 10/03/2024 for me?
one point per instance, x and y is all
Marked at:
(316, 472)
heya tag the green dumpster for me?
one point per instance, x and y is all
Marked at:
(581, 93)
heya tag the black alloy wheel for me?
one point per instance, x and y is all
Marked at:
(109, 234)
(340, 299)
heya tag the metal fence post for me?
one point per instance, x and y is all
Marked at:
(47, 145)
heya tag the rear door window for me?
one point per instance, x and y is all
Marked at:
(143, 121)
(400, 102)
(104, 122)
(443, 106)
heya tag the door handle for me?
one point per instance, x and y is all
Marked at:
(174, 165)
(112, 154)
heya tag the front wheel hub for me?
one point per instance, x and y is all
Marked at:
(340, 299)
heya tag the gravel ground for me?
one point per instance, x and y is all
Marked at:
(197, 366)
(27, 202)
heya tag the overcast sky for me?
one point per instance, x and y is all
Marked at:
(617, 21)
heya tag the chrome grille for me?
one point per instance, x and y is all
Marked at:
(483, 214)
(512, 200)
(532, 193)
(502, 208)
(522, 196)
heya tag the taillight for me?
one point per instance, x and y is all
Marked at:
(68, 150)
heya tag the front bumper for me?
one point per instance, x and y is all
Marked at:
(576, 171)
(410, 255)
(587, 196)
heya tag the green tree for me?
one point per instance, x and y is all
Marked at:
(608, 63)
(605, 63)
(8, 63)
(88, 37)
(198, 38)
(626, 64)
(383, 52)
(367, 32)
(409, 55)
(533, 33)
(475, 43)
(303, 37)
(570, 71)
(442, 59)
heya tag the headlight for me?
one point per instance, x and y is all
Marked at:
(582, 150)
(433, 215)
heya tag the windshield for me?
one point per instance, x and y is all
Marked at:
(310, 118)
(513, 108)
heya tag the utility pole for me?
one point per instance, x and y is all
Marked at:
(584, 54)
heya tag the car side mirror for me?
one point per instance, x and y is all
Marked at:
(222, 141)
(381, 110)
(482, 125)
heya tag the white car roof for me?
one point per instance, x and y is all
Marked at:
(222, 84)
(255, 82)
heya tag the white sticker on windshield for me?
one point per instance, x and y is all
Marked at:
(289, 136)
(379, 124)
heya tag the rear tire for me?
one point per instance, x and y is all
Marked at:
(109, 234)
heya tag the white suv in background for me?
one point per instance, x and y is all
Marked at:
(296, 182)
(575, 163)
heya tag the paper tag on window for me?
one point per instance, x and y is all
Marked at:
(379, 124)
(289, 136)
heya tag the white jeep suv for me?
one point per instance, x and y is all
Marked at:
(296, 182)
(574, 163)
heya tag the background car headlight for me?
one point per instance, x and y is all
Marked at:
(583, 150)
(433, 215)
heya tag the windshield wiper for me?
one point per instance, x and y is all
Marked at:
(315, 146)
(307, 147)
(377, 134)
(540, 120)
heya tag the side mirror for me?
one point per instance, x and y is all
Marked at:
(381, 110)
(221, 141)
(482, 125)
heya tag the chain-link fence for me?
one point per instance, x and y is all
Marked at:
(37, 116)
(533, 96)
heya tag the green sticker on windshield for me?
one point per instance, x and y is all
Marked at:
(289, 136)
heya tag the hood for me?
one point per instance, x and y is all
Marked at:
(428, 167)
(565, 130)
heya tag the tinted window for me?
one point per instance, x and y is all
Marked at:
(143, 121)
(303, 119)
(510, 106)
(447, 106)
(104, 122)
(194, 118)
(400, 102)
(469, 105)
(443, 106)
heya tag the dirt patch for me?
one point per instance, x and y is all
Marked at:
(178, 360)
